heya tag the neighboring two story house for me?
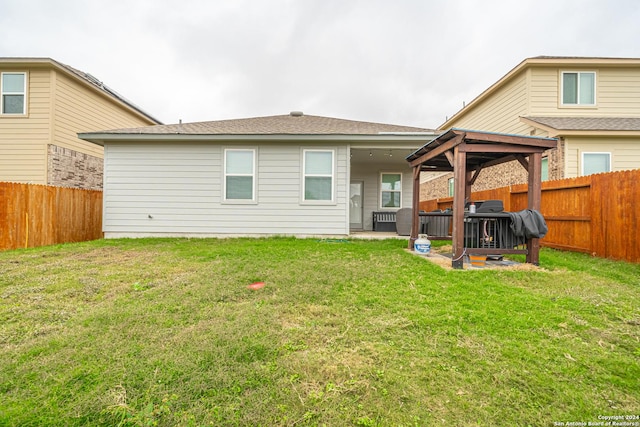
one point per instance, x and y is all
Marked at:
(43, 106)
(592, 105)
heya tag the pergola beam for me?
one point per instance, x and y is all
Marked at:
(495, 148)
(437, 169)
(475, 176)
(545, 143)
(521, 159)
(437, 151)
(449, 156)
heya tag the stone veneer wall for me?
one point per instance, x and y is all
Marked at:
(436, 188)
(70, 168)
(556, 161)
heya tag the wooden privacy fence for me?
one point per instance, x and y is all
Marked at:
(37, 215)
(597, 214)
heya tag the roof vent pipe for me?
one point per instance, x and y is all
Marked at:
(296, 114)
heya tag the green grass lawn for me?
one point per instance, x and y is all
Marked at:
(362, 333)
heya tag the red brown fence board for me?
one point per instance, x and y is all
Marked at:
(596, 214)
(38, 215)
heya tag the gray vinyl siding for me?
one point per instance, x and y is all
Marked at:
(180, 186)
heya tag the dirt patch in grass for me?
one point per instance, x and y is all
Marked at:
(441, 256)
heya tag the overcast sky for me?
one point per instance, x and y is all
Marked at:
(405, 62)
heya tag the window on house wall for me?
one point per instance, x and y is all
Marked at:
(545, 169)
(14, 89)
(579, 88)
(318, 175)
(391, 190)
(451, 187)
(596, 163)
(239, 174)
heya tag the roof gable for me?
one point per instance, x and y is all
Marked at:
(539, 61)
(84, 78)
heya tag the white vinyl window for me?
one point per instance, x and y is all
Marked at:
(544, 165)
(390, 190)
(318, 180)
(14, 90)
(595, 163)
(578, 88)
(239, 175)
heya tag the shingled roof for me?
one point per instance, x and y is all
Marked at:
(295, 123)
(589, 123)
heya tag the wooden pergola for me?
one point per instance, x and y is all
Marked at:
(466, 153)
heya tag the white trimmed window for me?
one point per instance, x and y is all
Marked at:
(595, 163)
(239, 175)
(544, 169)
(14, 90)
(390, 190)
(578, 88)
(319, 170)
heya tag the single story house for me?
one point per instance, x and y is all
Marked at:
(292, 174)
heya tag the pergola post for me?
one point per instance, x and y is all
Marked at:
(467, 186)
(534, 196)
(459, 196)
(415, 202)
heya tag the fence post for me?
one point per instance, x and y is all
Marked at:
(597, 209)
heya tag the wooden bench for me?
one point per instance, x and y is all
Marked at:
(384, 221)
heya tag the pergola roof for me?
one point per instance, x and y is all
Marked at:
(483, 149)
